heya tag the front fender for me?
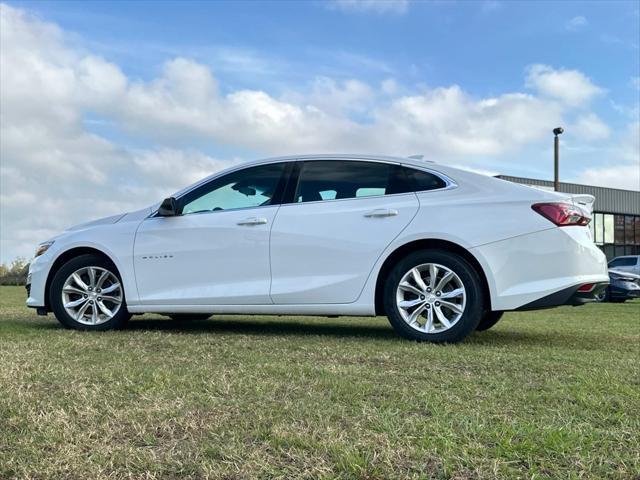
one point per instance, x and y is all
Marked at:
(115, 241)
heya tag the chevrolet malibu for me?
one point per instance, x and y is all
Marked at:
(440, 251)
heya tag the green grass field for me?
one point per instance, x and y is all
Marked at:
(550, 394)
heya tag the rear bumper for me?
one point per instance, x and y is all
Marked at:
(567, 296)
(541, 269)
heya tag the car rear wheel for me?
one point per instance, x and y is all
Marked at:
(87, 294)
(489, 320)
(435, 296)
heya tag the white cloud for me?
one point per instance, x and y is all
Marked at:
(577, 23)
(635, 82)
(569, 86)
(389, 86)
(447, 121)
(442, 120)
(629, 147)
(625, 172)
(590, 128)
(617, 176)
(334, 97)
(370, 6)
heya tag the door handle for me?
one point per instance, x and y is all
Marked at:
(382, 212)
(252, 221)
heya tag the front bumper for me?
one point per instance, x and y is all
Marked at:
(624, 290)
(37, 280)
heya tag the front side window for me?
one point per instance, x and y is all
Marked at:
(251, 187)
(336, 180)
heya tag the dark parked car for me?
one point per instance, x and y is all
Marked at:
(622, 286)
(628, 263)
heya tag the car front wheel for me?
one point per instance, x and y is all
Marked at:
(435, 296)
(87, 294)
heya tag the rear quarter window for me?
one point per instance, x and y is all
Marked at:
(419, 181)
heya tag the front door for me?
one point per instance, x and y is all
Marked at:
(216, 252)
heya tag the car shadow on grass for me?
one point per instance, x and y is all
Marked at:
(520, 338)
(261, 326)
(344, 328)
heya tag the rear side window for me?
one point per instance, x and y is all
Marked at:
(336, 180)
(623, 262)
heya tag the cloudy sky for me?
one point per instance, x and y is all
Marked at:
(111, 106)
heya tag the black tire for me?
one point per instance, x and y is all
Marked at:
(489, 320)
(603, 296)
(180, 317)
(119, 320)
(470, 280)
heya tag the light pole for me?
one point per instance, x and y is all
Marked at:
(556, 158)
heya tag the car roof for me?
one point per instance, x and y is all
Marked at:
(415, 162)
(342, 156)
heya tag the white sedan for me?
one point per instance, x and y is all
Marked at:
(440, 251)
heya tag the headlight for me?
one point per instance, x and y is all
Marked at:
(43, 247)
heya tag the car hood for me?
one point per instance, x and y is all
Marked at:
(624, 273)
(95, 223)
(121, 217)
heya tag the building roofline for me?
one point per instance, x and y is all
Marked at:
(550, 182)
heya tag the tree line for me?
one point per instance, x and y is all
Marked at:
(14, 273)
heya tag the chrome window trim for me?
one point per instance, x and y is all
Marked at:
(153, 215)
(348, 199)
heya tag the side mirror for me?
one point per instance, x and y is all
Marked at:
(168, 208)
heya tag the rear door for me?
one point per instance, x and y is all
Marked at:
(342, 216)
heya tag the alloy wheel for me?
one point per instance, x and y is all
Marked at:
(92, 295)
(431, 298)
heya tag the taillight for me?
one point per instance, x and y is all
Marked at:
(587, 287)
(562, 214)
